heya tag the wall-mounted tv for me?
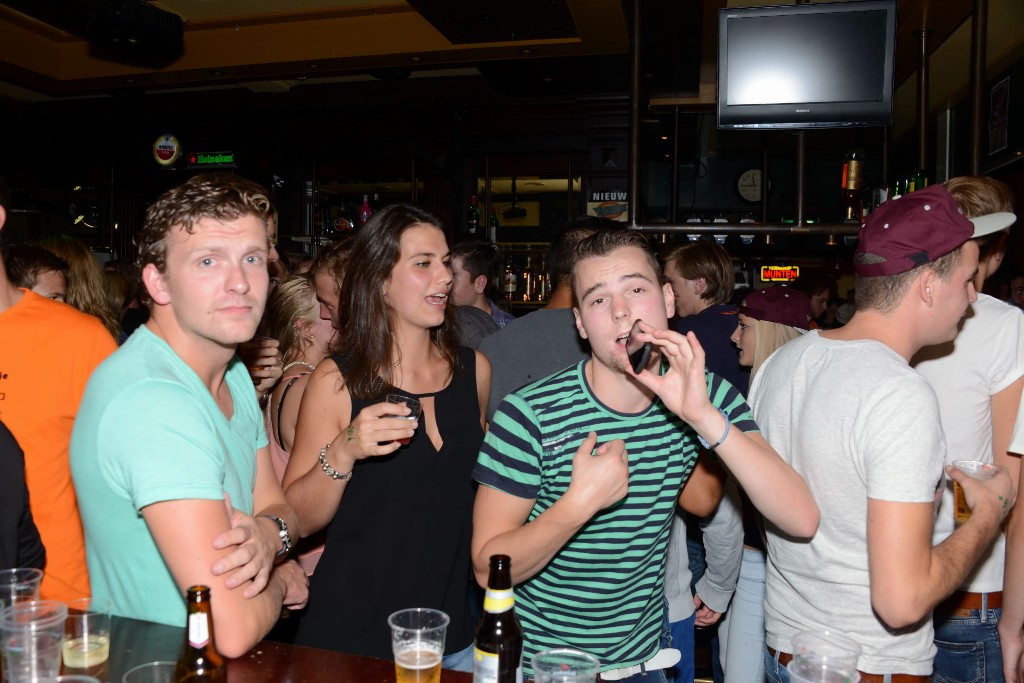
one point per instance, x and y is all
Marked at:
(820, 65)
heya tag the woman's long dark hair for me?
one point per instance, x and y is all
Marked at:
(365, 334)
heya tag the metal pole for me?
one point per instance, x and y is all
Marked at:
(922, 98)
(801, 176)
(978, 49)
(764, 177)
(674, 194)
(634, 118)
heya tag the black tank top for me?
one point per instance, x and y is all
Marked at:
(401, 535)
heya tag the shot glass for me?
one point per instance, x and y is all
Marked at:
(17, 585)
(417, 642)
(86, 634)
(250, 353)
(563, 665)
(975, 469)
(826, 647)
(151, 672)
(32, 633)
(414, 406)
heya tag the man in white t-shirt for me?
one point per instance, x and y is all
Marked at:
(977, 380)
(844, 408)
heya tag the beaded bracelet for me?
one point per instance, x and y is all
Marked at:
(728, 425)
(330, 471)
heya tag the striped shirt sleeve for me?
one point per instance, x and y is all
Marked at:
(510, 457)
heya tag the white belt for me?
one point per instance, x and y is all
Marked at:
(665, 658)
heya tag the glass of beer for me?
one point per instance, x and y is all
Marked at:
(86, 634)
(414, 407)
(975, 469)
(417, 642)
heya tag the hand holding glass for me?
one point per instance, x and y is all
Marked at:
(415, 410)
(975, 469)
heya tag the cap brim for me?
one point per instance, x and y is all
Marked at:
(992, 222)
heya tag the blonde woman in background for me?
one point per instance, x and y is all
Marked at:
(293, 319)
(768, 319)
(86, 288)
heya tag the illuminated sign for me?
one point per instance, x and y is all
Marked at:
(166, 150)
(779, 273)
(208, 159)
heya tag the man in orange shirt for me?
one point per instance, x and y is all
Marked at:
(47, 352)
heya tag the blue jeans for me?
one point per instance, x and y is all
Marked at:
(647, 677)
(968, 648)
(741, 630)
(682, 640)
(773, 671)
(698, 565)
(459, 661)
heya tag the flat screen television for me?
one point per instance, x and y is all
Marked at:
(820, 65)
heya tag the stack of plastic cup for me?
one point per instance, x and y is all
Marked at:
(32, 632)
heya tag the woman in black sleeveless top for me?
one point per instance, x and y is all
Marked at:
(398, 517)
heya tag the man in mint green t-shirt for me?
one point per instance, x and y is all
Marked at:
(168, 454)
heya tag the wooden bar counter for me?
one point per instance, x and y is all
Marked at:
(135, 642)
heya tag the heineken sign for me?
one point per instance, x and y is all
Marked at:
(211, 159)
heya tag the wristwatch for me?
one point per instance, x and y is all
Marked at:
(286, 538)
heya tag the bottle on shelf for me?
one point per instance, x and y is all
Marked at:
(365, 211)
(375, 204)
(498, 646)
(921, 179)
(897, 188)
(473, 217)
(853, 175)
(529, 282)
(509, 281)
(543, 282)
(200, 662)
(493, 223)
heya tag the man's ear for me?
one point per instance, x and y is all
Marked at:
(924, 285)
(579, 322)
(670, 299)
(699, 286)
(480, 284)
(156, 284)
(3, 217)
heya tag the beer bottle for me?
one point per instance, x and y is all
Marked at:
(200, 662)
(851, 187)
(498, 647)
(473, 217)
(509, 280)
(493, 223)
(529, 282)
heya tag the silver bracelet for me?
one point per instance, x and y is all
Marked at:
(728, 425)
(331, 472)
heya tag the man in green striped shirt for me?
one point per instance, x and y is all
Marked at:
(581, 471)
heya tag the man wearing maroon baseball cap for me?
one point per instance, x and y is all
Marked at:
(844, 408)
